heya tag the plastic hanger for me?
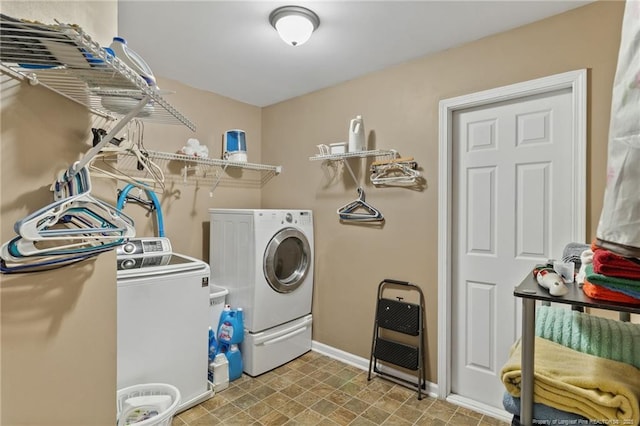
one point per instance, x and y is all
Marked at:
(80, 214)
(41, 264)
(359, 210)
(20, 249)
(123, 197)
(400, 171)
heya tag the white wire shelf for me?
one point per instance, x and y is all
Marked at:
(356, 154)
(66, 60)
(213, 162)
(190, 170)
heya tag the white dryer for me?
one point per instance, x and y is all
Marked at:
(265, 259)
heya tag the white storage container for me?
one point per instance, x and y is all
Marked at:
(217, 300)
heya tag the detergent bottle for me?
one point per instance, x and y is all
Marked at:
(231, 326)
(235, 362)
(219, 373)
(357, 140)
(213, 345)
(132, 60)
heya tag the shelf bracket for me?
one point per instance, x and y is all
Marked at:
(218, 177)
(348, 167)
(107, 138)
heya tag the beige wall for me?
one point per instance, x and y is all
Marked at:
(400, 110)
(58, 328)
(185, 204)
(58, 341)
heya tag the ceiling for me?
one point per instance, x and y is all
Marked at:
(229, 47)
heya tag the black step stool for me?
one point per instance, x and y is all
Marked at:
(399, 318)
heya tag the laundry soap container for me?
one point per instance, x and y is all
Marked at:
(219, 373)
(231, 326)
(235, 362)
(134, 61)
(217, 300)
(357, 140)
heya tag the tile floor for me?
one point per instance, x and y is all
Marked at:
(317, 390)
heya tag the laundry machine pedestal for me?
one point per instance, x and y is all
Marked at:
(276, 346)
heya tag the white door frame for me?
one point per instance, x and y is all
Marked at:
(577, 81)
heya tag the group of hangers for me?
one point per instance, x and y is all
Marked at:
(360, 211)
(74, 227)
(397, 171)
(149, 175)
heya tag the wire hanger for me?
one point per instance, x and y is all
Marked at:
(359, 210)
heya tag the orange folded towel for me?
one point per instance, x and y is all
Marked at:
(601, 293)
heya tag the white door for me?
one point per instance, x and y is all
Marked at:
(512, 190)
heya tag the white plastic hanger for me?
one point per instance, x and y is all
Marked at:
(78, 216)
(399, 171)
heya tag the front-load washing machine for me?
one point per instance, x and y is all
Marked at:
(265, 260)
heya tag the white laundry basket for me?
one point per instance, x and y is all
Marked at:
(165, 414)
(217, 300)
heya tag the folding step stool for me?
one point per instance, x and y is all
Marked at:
(397, 316)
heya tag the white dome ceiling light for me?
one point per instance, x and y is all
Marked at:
(294, 24)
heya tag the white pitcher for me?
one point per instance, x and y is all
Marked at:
(357, 140)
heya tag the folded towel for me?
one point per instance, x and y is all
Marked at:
(622, 285)
(590, 334)
(633, 296)
(542, 413)
(594, 387)
(602, 293)
(608, 263)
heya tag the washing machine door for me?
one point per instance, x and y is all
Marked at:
(287, 260)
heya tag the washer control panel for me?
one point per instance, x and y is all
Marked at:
(143, 246)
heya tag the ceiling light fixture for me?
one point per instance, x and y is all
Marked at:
(294, 23)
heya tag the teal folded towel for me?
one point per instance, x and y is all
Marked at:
(621, 285)
(590, 334)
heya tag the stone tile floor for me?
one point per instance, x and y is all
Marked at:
(317, 390)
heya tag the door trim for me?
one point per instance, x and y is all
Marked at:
(577, 82)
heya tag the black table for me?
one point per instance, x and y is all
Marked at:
(530, 291)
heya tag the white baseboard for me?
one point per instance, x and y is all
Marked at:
(480, 408)
(363, 364)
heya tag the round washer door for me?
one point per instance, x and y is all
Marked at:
(287, 259)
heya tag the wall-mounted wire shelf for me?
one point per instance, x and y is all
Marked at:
(66, 60)
(187, 169)
(357, 154)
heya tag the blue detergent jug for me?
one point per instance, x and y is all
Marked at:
(235, 362)
(231, 326)
(213, 345)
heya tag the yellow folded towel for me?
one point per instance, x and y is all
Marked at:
(596, 388)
